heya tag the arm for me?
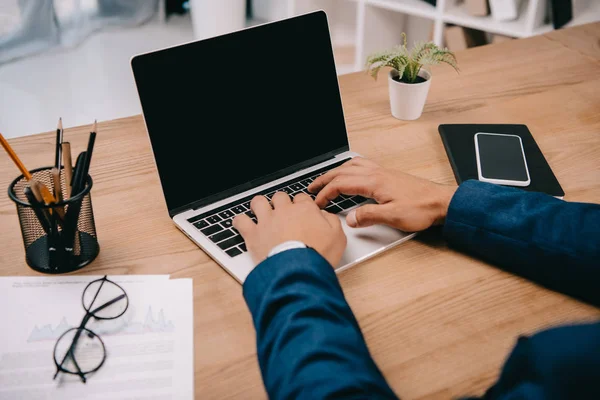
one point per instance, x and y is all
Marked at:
(308, 341)
(550, 241)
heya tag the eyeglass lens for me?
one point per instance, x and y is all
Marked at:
(99, 299)
(88, 351)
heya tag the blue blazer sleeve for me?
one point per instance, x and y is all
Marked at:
(549, 241)
(308, 342)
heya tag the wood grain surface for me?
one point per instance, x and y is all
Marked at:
(438, 323)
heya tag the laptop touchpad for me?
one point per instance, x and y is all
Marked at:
(367, 242)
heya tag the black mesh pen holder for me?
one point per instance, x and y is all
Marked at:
(61, 237)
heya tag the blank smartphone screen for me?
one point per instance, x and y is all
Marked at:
(501, 157)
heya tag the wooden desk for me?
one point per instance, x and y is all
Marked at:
(438, 323)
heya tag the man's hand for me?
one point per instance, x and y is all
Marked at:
(404, 201)
(301, 220)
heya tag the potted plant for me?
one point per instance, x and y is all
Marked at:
(408, 81)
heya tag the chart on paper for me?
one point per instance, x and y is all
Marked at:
(149, 349)
(150, 324)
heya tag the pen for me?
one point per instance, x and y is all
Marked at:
(47, 196)
(80, 174)
(77, 173)
(53, 239)
(70, 225)
(59, 139)
(88, 157)
(67, 167)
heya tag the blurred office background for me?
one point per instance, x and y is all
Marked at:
(70, 58)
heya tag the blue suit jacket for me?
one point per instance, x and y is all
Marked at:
(310, 345)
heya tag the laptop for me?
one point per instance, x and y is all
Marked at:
(245, 114)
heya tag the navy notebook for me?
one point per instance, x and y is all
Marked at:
(459, 141)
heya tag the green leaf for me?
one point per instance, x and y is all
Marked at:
(410, 63)
(393, 58)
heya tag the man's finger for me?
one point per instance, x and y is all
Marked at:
(351, 185)
(302, 197)
(260, 207)
(281, 199)
(244, 224)
(370, 214)
(323, 180)
(362, 162)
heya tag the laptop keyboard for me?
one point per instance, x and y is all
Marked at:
(217, 224)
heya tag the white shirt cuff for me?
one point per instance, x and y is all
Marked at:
(289, 245)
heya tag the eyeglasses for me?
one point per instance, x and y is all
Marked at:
(81, 351)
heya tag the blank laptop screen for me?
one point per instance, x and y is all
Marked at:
(229, 110)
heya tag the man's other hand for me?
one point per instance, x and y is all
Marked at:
(300, 220)
(404, 201)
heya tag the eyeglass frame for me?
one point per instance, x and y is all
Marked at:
(88, 315)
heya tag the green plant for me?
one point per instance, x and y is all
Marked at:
(409, 63)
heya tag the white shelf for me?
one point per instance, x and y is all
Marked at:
(369, 25)
(417, 8)
(458, 15)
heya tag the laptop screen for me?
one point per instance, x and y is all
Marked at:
(236, 108)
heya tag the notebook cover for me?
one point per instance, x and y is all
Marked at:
(459, 141)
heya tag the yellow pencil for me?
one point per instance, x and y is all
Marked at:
(45, 192)
(14, 157)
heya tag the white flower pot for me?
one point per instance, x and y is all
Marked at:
(407, 100)
(217, 17)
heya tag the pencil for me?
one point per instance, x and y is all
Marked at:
(59, 139)
(44, 191)
(68, 167)
(56, 182)
(42, 195)
(46, 194)
(37, 193)
(14, 157)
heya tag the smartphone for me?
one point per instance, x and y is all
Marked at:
(501, 159)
